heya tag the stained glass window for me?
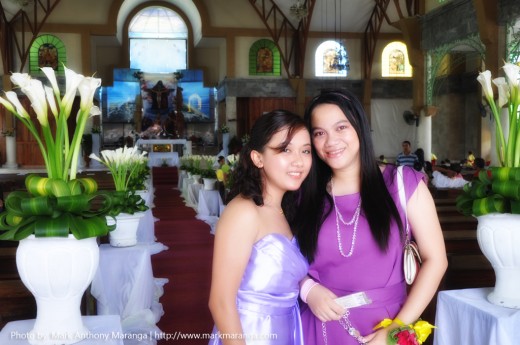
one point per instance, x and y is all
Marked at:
(331, 60)
(47, 51)
(264, 58)
(394, 61)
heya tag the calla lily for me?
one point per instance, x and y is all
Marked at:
(20, 110)
(20, 79)
(484, 78)
(87, 88)
(7, 104)
(36, 94)
(52, 102)
(503, 91)
(95, 110)
(512, 72)
(72, 81)
(51, 76)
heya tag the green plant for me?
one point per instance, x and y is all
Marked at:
(138, 179)
(208, 173)
(59, 204)
(498, 188)
(224, 129)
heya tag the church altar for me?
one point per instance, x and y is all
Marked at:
(162, 151)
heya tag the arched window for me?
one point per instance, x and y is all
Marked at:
(394, 61)
(47, 51)
(158, 41)
(264, 58)
(331, 60)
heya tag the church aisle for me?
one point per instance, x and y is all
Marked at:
(187, 264)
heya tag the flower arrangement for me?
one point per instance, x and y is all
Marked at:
(224, 129)
(208, 171)
(124, 163)
(59, 204)
(498, 188)
(412, 334)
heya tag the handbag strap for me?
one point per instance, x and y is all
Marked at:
(402, 198)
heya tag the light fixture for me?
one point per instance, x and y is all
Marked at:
(22, 3)
(298, 10)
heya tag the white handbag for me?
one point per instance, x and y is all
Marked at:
(412, 258)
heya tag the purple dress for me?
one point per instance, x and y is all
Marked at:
(367, 269)
(267, 298)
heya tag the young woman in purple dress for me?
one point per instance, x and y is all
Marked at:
(351, 228)
(257, 264)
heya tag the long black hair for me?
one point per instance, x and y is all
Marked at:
(247, 176)
(376, 201)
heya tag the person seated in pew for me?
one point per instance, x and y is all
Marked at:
(448, 177)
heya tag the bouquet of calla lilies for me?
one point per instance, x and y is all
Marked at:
(497, 189)
(124, 163)
(59, 204)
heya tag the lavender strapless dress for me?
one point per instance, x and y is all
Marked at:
(267, 299)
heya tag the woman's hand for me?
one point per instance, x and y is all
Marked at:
(322, 304)
(378, 337)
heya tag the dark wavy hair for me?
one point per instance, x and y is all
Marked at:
(247, 176)
(376, 201)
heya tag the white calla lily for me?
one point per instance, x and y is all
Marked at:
(484, 78)
(20, 110)
(51, 100)
(20, 79)
(36, 94)
(87, 87)
(94, 111)
(7, 104)
(503, 90)
(512, 72)
(72, 82)
(51, 76)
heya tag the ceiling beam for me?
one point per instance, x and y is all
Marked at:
(28, 24)
(290, 40)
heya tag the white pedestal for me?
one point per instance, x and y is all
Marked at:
(10, 152)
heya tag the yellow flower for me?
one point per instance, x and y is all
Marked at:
(423, 329)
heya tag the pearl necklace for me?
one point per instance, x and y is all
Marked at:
(354, 220)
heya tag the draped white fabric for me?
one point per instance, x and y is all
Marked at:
(124, 285)
(466, 317)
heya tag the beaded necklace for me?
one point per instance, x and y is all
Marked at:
(339, 217)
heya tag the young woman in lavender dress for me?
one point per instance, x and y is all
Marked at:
(257, 264)
(350, 227)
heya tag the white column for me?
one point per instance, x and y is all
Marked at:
(81, 159)
(225, 144)
(10, 153)
(96, 144)
(424, 135)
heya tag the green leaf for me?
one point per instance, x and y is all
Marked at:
(492, 204)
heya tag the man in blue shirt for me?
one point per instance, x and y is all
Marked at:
(406, 157)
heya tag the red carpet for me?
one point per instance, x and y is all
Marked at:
(187, 263)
